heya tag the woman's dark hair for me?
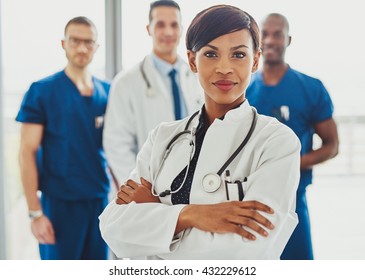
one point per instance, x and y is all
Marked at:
(219, 20)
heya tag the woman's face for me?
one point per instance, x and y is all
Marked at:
(224, 67)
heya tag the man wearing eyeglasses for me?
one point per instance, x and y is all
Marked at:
(61, 152)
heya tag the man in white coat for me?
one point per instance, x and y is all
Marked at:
(149, 93)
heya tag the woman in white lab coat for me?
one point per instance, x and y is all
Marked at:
(226, 188)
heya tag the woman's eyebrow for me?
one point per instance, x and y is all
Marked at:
(232, 49)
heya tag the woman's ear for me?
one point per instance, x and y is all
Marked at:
(256, 61)
(192, 61)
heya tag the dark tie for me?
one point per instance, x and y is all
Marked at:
(176, 95)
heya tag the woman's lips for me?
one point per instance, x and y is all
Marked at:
(224, 85)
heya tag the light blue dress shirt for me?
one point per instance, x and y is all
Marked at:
(164, 68)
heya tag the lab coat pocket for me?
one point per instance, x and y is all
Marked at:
(236, 190)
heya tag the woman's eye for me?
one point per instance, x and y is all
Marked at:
(239, 55)
(210, 54)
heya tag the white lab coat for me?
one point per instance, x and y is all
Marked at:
(270, 161)
(132, 113)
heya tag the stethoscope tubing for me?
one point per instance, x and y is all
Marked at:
(150, 91)
(144, 76)
(243, 144)
(175, 140)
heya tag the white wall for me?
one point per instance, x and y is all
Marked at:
(326, 40)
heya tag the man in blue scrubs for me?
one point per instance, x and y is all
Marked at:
(302, 103)
(61, 152)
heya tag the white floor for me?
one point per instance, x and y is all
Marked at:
(21, 243)
(337, 213)
(337, 207)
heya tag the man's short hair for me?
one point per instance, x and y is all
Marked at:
(280, 16)
(81, 20)
(162, 3)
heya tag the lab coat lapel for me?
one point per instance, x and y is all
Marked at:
(221, 140)
(176, 161)
(185, 87)
(157, 84)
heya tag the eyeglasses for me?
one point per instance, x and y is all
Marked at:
(75, 42)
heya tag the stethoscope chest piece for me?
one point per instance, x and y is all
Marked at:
(211, 182)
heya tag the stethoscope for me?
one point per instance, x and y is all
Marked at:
(150, 91)
(211, 181)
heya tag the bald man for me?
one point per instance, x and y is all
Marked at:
(302, 103)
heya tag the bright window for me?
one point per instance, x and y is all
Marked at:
(32, 33)
(31, 49)
(325, 40)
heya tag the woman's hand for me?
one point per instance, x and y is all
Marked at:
(227, 217)
(133, 191)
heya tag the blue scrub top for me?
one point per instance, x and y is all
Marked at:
(71, 162)
(299, 101)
